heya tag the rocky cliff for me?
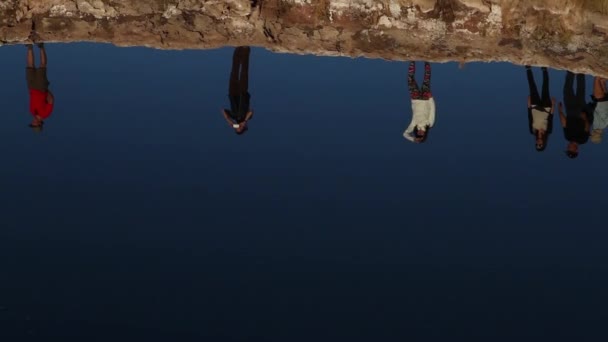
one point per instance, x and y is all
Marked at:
(566, 34)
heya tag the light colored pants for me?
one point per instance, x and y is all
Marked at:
(600, 116)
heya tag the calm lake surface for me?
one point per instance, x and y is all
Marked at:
(138, 214)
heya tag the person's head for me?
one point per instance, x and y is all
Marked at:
(572, 150)
(541, 140)
(36, 124)
(420, 135)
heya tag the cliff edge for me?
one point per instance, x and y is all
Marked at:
(564, 34)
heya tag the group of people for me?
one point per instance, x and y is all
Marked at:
(580, 119)
(42, 99)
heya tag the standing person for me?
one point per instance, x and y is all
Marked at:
(600, 114)
(423, 105)
(576, 122)
(41, 99)
(240, 111)
(540, 110)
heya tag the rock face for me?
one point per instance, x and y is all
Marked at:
(566, 34)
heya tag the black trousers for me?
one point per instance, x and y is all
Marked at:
(574, 101)
(535, 98)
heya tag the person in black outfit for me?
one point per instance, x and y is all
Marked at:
(238, 91)
(540, 110)
(576, 122)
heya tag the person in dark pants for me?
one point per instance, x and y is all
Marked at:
(41, 99)
(238, 91)
(576, 122)
(540, 110)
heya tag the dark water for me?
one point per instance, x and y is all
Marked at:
(138, 214)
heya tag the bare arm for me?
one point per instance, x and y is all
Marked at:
(409, 136)
(562, 117)
(529, 102)
(50, 98)
(249, 115)
(227, 118)
(408, 132)
(552, 105)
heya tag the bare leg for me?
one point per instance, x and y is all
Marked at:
(43, 58)
(30, 57)
(597, 88)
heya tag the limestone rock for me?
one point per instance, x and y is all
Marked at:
(566, 34)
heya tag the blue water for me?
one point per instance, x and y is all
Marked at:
(138, 214)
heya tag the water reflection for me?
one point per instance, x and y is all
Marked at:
(41, 99)
(240, 111)
(423, 105)
(600, 109)
(540, 109)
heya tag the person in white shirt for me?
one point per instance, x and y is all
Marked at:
(540, 110)
(600, 112)
(423, 105)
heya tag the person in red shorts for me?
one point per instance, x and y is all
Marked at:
(41, 98)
